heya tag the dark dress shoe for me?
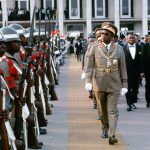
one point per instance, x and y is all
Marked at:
(112, 140)
(41, 129)
(104, 134)
(36, 147)
(129, 108)
(40, 143)
(133, 106)
(43, 132)
(147, 105)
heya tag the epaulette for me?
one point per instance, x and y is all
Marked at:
(10, 80)
(12, 70)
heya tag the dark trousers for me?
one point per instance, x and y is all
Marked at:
(131, 95)
(147, 88)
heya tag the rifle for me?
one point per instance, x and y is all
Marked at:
(49, 65)
(44, 79)
(3, 133)
(53, 16)
(33, 126)
(42, 75)
(6, 132)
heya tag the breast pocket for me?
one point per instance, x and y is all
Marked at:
(100, 61)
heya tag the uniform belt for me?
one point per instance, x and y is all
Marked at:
(107, 69)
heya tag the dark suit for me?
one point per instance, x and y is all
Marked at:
(79, 50)
(146, 70)
(133, 73)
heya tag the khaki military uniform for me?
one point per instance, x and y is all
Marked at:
(110, 76)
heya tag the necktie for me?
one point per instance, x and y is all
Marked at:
(107, 48)
(131, 46)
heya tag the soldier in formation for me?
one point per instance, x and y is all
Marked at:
(28, 76)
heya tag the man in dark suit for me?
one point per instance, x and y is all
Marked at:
(146, 69)
(79, 49)
(133, 62)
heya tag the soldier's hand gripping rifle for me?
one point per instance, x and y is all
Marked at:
(6, 132)
(49, 63)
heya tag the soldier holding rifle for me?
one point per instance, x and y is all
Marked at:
(11, 71)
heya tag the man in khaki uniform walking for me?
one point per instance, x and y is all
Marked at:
(107, 60)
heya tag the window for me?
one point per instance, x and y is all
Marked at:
(95, 25)
(125, 8)
(148, 26)
(74, 8)
(100, 8)
(0, 5)
(48, 4)
(22, 4)
(149, 7)
(74, 27)
(127, 27)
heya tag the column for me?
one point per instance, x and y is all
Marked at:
(88, 17)
(27, 5)
(4, 13)
(32, 4)
(52, 4)
(116, 16)
(145, 18)
(60, 10)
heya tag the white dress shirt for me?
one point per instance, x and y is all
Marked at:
(132, 49)
(107, 46)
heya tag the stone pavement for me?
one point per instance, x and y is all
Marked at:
(73, 124)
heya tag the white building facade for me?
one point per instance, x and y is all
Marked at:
(84, 15)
